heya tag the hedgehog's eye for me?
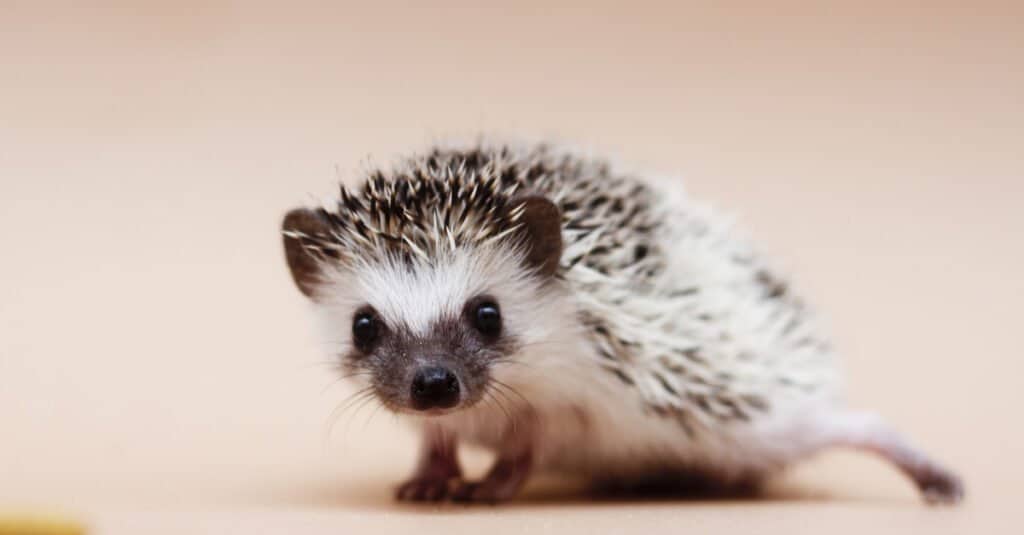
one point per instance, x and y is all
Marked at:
(487, 317)
(365, 329)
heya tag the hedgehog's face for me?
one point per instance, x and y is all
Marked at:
(426, 336)
(433, 369)
(426, 333)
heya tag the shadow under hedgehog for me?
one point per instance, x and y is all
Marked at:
(574, 319)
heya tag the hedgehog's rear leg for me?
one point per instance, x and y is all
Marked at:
(868, 432)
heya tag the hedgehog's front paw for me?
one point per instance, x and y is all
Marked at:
(486, 491)
(939, 486)
(429, 488)
(504, 480)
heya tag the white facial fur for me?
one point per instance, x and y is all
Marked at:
(414, 297)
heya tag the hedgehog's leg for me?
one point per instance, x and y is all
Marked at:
(502, 482)
(867, 431)
(438, 467)
(510, 470)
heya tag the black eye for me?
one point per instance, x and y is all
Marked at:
(365, 329)
(487, 318)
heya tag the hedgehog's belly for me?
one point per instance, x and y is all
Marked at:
(628, 443)
(621, 441)
(592, 426)
(625, 443)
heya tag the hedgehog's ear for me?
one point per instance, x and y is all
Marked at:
(541, 233)
(300, 224)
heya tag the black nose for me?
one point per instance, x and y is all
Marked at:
(434, 386)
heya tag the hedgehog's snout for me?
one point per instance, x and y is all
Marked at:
(434, 387)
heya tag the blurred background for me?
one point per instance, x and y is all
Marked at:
(155, 357)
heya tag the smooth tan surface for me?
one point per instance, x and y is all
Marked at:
(158, 372)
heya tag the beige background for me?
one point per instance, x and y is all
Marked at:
(157, 369)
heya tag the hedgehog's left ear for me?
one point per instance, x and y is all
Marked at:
(541, 233)
(302, 225)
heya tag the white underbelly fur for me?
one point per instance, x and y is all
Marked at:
(592, 426)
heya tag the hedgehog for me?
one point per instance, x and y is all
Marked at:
(574, 319)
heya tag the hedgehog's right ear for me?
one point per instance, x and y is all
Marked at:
(302, 227)
(541, 233)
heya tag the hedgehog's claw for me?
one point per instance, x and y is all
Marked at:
(425, 489)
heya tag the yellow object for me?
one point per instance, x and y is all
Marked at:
(39, 525)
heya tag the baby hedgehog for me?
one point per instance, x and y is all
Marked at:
(574, 319)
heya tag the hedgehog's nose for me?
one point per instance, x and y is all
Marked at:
(434, 387)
